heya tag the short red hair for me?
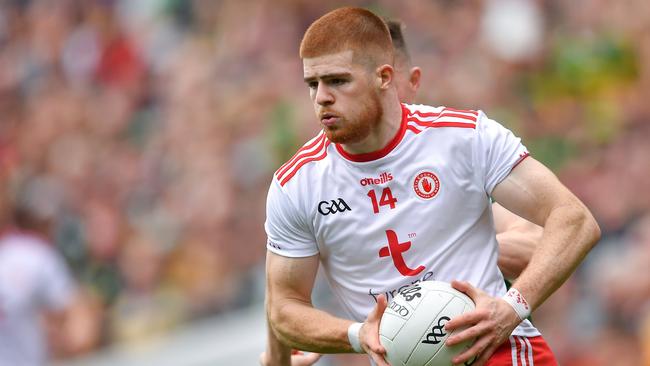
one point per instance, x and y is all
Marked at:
(356, 29)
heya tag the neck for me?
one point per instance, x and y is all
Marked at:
(383, 133)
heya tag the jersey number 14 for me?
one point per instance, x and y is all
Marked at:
(386, 199)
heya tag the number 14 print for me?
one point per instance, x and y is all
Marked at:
(386, 199)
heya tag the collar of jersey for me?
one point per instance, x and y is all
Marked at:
(365, 157)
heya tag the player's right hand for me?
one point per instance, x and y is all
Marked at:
(369, 333)
(490, 324)
(298, 358)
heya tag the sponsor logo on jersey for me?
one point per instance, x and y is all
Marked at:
(333, 206)
(383, 178)
(394, 249)
(426, 185)
(392, 293)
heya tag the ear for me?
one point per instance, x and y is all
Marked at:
(385, 75)
(414, 78)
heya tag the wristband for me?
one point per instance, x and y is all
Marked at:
(518, 303)
(353, 337)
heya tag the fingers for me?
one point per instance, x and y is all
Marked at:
(481, 357)
(305, 359)
(466, 287)
(469, 333)
(467, 319)
(370, 329)
(379, 309)
(476, 349)
(379, 359)
(375, 347)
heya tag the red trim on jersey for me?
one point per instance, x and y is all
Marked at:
(521, 158)
(441, 123)
(519, 351)
(413, 129)
(301, 153)
(446, 112)
(313, 158)
(462, 111)
(321, 143)
(379, 153)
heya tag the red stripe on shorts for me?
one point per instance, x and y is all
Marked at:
(511, 351)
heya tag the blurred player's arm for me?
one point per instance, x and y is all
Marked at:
(297, 324)
(518, 239)
(74, 329)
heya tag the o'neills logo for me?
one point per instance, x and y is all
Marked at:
(426, 185)
(383, 178)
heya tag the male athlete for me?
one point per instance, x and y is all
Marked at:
(390, 194)
(517, 238)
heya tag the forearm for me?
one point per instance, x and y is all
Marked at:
(299, 325)
(277, 353)
(515, 251)
(569, 233)
(516, 247)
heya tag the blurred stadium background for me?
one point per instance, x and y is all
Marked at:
(147, 132)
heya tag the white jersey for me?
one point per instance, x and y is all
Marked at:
(33, 278)
(417, 210)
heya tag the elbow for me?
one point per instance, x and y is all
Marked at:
(274, 317)
(595, 232)
(278, 318)
(592, 229)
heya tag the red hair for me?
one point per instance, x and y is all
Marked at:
(349, 28)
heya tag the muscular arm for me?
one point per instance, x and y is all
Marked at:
(295, 322)
(277, 353)
(534, 193)
(570, 231)
(518, 239)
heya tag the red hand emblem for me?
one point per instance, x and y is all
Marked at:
(426, 185)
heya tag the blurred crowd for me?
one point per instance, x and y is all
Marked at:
(146, 133)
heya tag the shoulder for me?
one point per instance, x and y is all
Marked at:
(420, 118)
(30, 250)
(312, 152)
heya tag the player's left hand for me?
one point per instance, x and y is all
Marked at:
(298, 358)
(491, 323)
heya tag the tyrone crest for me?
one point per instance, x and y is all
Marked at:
(426, 185)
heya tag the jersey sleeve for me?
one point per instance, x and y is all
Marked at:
(497, 151)
(287, 231)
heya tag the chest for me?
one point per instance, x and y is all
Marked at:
(419, 197)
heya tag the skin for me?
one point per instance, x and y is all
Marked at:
(530, 191)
